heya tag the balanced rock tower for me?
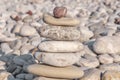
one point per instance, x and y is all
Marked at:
(61, 51)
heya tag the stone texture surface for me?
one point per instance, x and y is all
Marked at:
(112, 66)
(108, 44)
(105, 59)
(5, 75)
(60, 59)
(60, 33)
(88, 61)
(61, 46)
(111, 75)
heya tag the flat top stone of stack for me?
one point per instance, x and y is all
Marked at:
(49, 19)
(55, 72)
(60, 33)
(61, 46)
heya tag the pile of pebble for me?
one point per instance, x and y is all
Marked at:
(59, 55)
(39, 41)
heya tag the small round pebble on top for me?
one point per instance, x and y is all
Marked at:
(59, 12)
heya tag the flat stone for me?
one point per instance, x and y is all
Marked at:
(60, 33)
(111, 75)
(70, 72)
(61, 46)
(4, 38)
(116, 57)
(107, 45)
(23, 59)
(19, 61)
(45, 78)
(60, 59)
(105, 59)
(112, 66)
(65, 21)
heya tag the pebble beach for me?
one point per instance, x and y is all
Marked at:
(59, 39)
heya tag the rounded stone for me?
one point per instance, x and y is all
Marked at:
(107, 45)
(112, 66)
(111, 75)
(105, 59)
(45, 78)
(88, 61)
(5, 75)
(27, 31)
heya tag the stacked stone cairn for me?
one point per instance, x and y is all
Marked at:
(61, 51)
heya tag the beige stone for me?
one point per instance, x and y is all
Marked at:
(111, 75)
(27, 31)
(112, 66)
(4, 38)
(60, 33)
(60, 22)
(107, 44)
(4, 75)
(116, 57)
(45, 78)
(55, 72)
(60, 59)
(105, 59)
(61, 46)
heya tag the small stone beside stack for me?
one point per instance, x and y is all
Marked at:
(60, 53)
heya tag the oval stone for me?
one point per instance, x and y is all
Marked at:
(55, 72)
(60, 59)
(61, 46)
